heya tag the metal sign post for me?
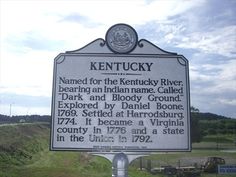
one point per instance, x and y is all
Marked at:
(120, 98)
(120, 161)
(120, 165)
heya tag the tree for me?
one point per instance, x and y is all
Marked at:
(196, 134)
(193, 109)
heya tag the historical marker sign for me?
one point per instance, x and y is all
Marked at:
(120, 95)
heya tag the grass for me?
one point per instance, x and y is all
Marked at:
(62, 164)
(24, 153)
(216, 142)
(20, 144)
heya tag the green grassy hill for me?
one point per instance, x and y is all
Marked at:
(20, 143)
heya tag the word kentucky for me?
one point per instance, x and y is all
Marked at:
(120, 66)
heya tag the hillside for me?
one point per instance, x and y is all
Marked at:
(210, 124)
(19, 143)
(209, 116)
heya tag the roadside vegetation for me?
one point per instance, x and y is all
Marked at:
(24, 150)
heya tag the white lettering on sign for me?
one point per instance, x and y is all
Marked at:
(120, 103)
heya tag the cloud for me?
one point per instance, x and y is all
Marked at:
(33, 41)
(230, 102)
(115, 11)
(208, 27)
(33, 33)
(219, 41)
(214, 79)
(27, 73)
(77, 18)
(213, 87)
(56, 22)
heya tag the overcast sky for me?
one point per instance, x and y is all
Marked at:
(34, 32)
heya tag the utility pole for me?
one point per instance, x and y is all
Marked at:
(10, 111)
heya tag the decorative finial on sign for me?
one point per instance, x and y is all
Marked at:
(121, 38)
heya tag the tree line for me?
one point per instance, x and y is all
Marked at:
(203, 124)
(24, 118)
